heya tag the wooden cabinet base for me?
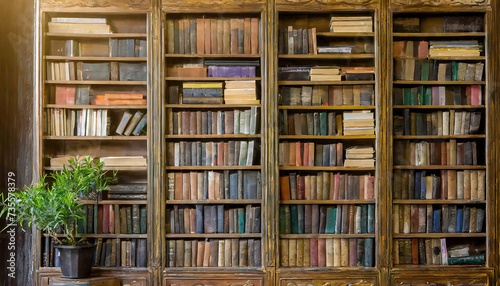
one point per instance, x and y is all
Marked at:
(93, 281)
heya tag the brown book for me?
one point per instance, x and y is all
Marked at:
(200, 253)
(314, 252)
(208, 36)
(220, 35)
(234, 35)
(414, 218)
(353, 258)
(243, 261)
(206, 255)
(213, 36)
(179, 253)
(254, 36)
(247, 36)
(321, 252)
(226, 37)
(187, 253)
(414, 251)
(214, 252)
(200, 36)
(481, 185)
(227, 253)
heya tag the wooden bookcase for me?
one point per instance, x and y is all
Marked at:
(153, 20)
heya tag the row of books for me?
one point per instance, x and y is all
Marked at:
(334, 95)
(311, 123)
(435, 251)
(327, 252)
(108, 253)
(214, 253)
(342, 219)
(297, 41)
(110, 219)
(327, 186)
(84, 122)
(351, 24)
(231, 153)
(445, 185)
(116, 161)
(434, 70)
(422, 50)
(132, 124)
(437, 123)
(99, 48)
(215, 68)
(310, 154)
(121, 253)
(224, 185)
(115, 71)
(437, 219)
(68, 25)
(80, 95)
(326, 73)
(446, 24)
(213, 36)
(215, 122)
(235, 92)
(439, 95)
(359, 156)
(435, 153)
(214, 219)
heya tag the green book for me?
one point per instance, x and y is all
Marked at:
(414, 96)
(136, 223)
(371, 219)
(129, 220)
(323, 122)
(144, 220)
(454, 70)
(421, 95)
(331, 216)
(364, 219)
(288, 223)
(428, 95)
(241, 220)
(468, 260)
(282, 220)
(90, 219)
(95, 219)
(407, 96)
(425, 70)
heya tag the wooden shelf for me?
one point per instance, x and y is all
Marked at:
(130, 168)
(325, 168)
(214, 136)
(325, 137)
(115, 202)
(475, 136)
(96, 138)
(440, 167)
(327, 202)
(454, 58)
(213, 202)
(324, 107)
(330, 56)
(214, 56)
(438, 106)
(202, 269)
(360, 82)
(439, 35)
(326, 235)
(117, 35)
(213, 235)
(345, 34)
(97, 59)
(94, 82)
(210, 78)
(210, 168)
(210, 106)
(438, 235)
(435, 82)
(96, 106)
(440, 202)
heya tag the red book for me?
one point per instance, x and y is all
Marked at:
(178, 186)
(414, 251)
(292, 160)
(370, 187)
(475, 98)
(298, 158)
(331, 95)
(207, 36)
(305, 157)
(185, 122)
(314, 252)
(336, 187)
(220, 154)
(301, 187)
(321, 252)
(351, 218)
(353, 254)
(311, 154)
(423, 49)
(444, 183)
(285, 188)
(332, 182)
(307, 219)
(341, 189)
(254, 36)
(468, 94)
(60, 95)
(340, 154)
(70, 94)
(361, 187)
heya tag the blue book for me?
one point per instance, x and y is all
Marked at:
(436, 222)
(371, 218)
(294, 219)
(233, 186)
(331, 214)
(418, 185)
(369, 252)
(423, 186)
(364, 219)
(460, 218)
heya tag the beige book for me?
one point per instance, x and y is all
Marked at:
(284, 252)
(300, 252)
(407, 218)
(473, 220)
(292, 252)
(460, 185)
(307, 252)
(452, 184)
(474, 190)
(446, 123)
(395, 218)
(481, 184)
(187, 253)
(206, 255)
(227, 253)
(336, 252)
(222, 251)
(344, 252)
(329, 252)
(453, 152)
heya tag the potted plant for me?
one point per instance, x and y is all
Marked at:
(53, 204)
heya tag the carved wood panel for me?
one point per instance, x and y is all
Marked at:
(212, 2)
(144, 4)
(328, 2)
(441, 2)
(213, 282)
(328, 282)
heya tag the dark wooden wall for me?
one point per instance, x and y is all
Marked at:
(16, 105)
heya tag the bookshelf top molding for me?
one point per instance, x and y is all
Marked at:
(313, 5)
(437, 3)
(123, 5)
(214, 6)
